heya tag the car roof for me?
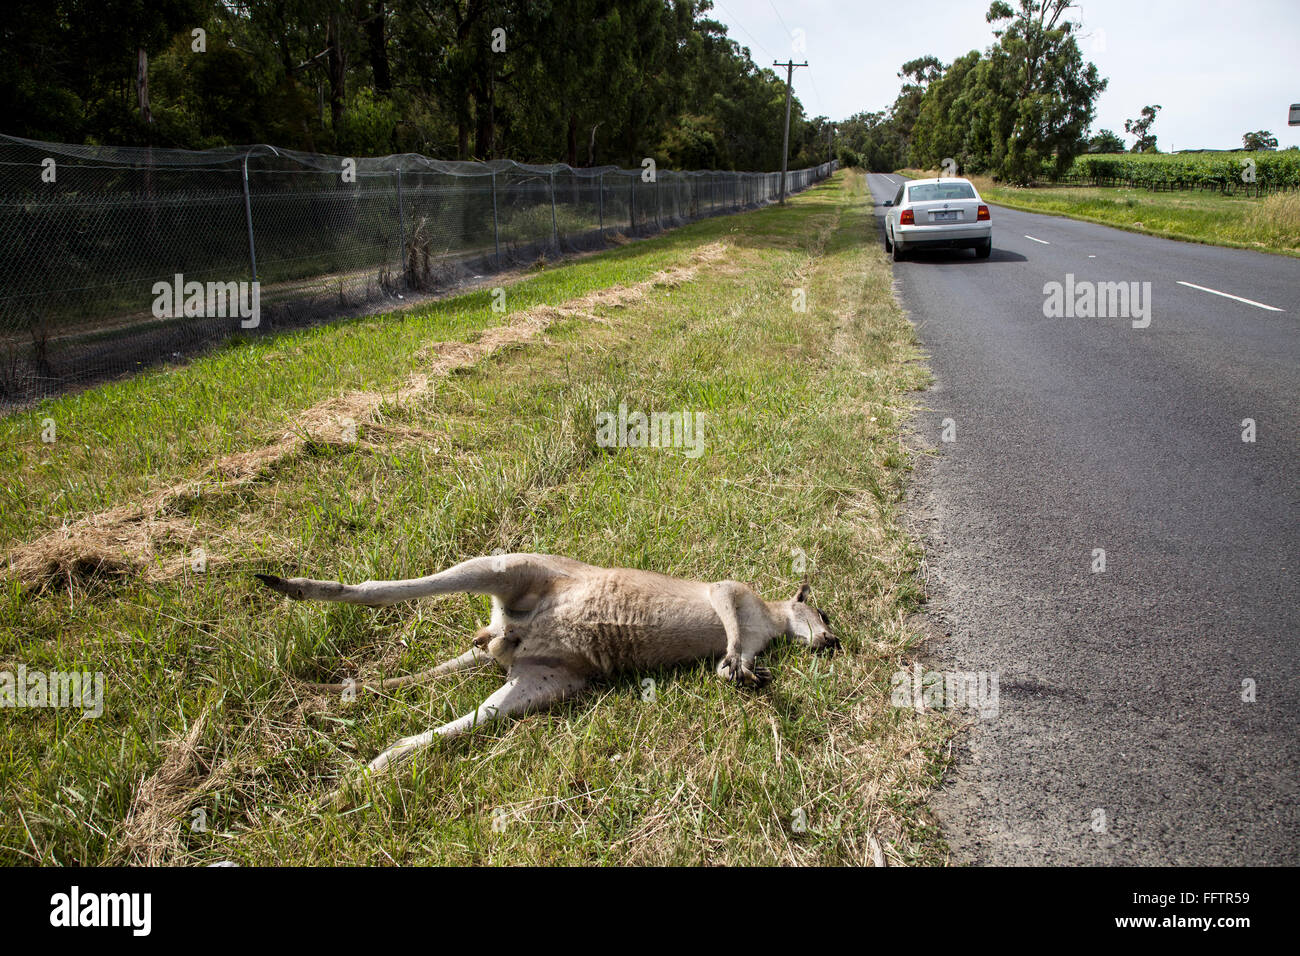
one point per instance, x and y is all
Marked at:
(941, 179)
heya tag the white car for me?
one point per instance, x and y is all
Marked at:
(938, 214)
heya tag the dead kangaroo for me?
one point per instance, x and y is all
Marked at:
(558, 623)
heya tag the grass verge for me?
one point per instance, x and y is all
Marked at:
(210, 747)
(1269, 224)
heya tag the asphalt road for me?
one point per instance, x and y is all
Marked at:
(1121, 734)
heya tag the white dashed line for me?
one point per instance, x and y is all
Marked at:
(1258, 305)
(1043, 241)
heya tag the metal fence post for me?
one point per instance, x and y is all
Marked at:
(631, 206)
(401, 224)
(555, 226)
(496, 229)
(248, 216)
(659, 203)
(601, 204)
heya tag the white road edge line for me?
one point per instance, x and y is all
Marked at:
(1258, 305)
(1043, 241)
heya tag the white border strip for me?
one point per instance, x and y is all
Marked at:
(1258, 305)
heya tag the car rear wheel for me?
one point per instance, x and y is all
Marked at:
(889, 246)
(898, 251)
(984, 249)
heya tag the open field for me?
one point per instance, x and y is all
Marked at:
(1268, 224)
(395, 445)
(1238, 171)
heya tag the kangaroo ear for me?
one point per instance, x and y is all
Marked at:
(802, 594)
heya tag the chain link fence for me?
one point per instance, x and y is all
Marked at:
(113, 259)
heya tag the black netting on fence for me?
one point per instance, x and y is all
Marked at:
(93, 240)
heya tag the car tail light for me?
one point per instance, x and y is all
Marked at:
(907, 218)
(983, 215)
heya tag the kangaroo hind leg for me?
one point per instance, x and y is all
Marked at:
(529, 687)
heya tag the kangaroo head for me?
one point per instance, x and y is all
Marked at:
(806, 623)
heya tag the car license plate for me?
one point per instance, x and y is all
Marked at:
(945, 216)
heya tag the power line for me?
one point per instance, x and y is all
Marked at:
(736, 20)
(821, 103)
(778, 16)
(830, 124)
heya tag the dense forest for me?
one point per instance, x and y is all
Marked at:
(587, 82)
(1019, 110)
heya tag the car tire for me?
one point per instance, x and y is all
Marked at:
(984, 249)
(899, 255)
(889, 246)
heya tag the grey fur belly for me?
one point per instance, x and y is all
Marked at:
(612, 646)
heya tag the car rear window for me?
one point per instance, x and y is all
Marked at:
(931, 191)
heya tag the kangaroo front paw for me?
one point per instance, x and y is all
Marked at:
(398, 753)
(735, 670)
(380, 763)
(826, 642)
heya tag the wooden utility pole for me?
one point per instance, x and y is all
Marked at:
(785, 141)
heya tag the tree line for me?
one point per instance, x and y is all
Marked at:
(1018, 110)
(586, 82)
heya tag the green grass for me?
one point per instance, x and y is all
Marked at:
(113, 441)
(1270, 224)
(802, 455)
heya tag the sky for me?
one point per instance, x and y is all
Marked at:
(1218, 68)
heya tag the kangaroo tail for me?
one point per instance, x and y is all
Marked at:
(499, 575)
